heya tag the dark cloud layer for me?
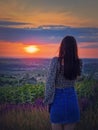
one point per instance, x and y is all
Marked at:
(11, 23)
(47, 34)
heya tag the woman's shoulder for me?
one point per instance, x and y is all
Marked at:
(55, 58)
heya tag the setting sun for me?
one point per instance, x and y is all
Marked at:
(31, 49)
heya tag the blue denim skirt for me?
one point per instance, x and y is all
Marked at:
(65, 107)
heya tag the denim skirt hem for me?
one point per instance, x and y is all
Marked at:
(65, 108)
(66, 122)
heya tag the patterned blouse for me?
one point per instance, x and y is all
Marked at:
(55, 80)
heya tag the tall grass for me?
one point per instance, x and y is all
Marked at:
(29, 117)
(24, 117)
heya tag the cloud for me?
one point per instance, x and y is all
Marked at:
(88, 45)
(53, 27)
(67, 12)
(48, 34)
(4, 23)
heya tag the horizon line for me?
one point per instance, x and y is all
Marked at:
(42, 57)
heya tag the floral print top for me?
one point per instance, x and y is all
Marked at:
(55, 80)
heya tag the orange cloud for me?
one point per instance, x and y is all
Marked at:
(88, 50)
(38, 17)
(88, 53)
(48, 12)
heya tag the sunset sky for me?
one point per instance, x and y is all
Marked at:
(35, 28)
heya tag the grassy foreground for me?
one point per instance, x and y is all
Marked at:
(27, 112)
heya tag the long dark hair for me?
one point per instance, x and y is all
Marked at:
(69, 54)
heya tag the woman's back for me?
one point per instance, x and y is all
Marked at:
(60, 81)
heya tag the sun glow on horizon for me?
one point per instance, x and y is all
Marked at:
(20, 50)
(31, 49)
